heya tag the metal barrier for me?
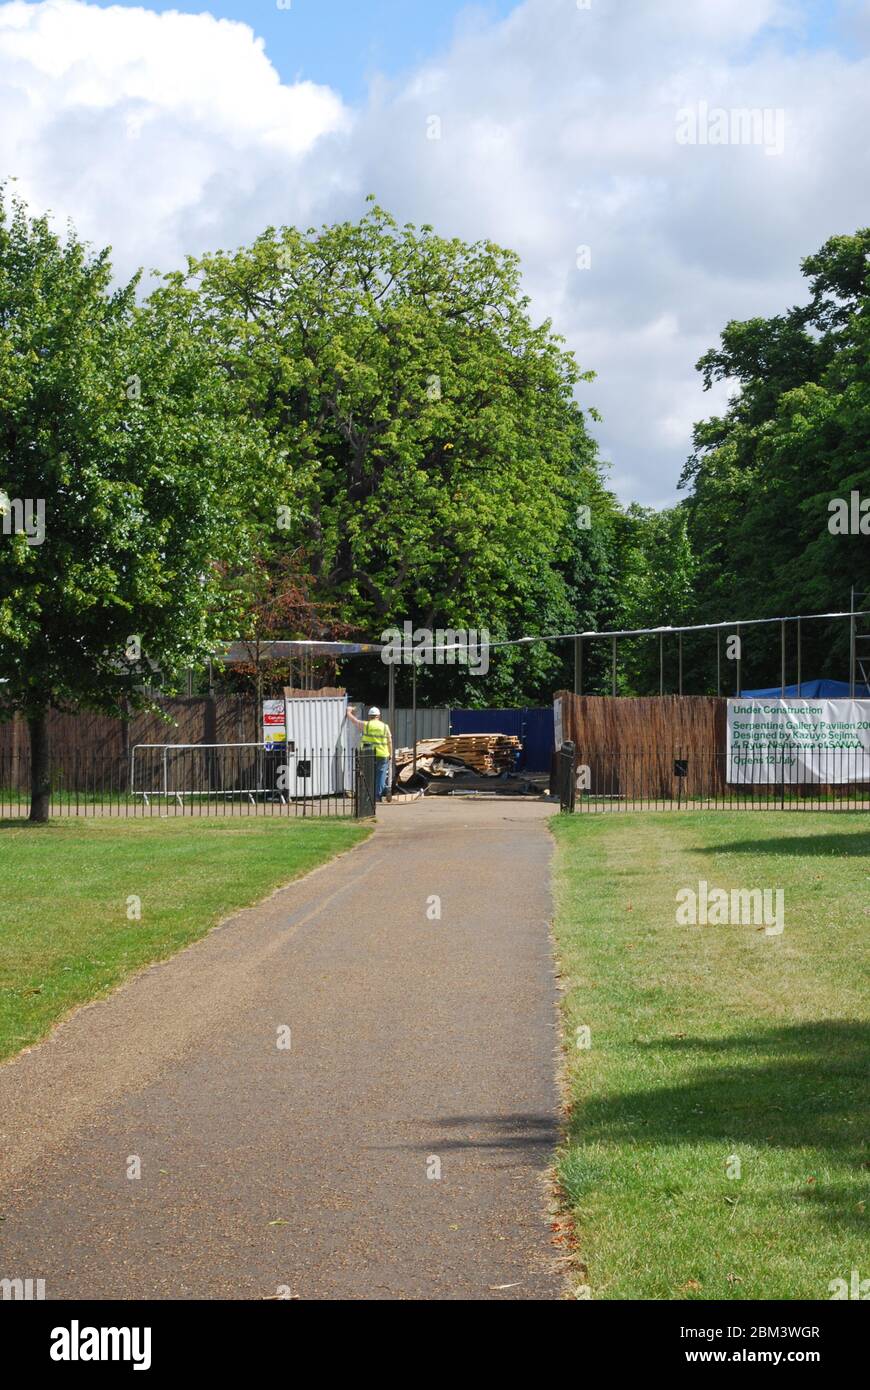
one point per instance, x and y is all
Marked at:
(195, 780)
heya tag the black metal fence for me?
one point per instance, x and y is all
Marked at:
(764, 778)
(244, 779)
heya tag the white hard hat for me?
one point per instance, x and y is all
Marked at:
(374, 712)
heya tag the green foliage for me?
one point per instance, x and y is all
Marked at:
(433, 453)
(338, 430)
(112, 417)
(657, 574)
(763, 476)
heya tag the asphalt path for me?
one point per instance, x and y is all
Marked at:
(397, 1148)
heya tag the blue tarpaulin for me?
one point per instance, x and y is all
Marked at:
(811, 690)
(533, 726)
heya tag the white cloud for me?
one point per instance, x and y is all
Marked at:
(167, 134)
(147, 128)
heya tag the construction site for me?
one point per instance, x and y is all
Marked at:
(300, 751)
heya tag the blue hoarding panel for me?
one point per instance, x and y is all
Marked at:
(534, 727)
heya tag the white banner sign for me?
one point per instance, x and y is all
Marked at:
(776, 740)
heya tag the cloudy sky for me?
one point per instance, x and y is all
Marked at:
(601, 139)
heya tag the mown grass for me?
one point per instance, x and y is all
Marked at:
(715, 1050)
(65, 935)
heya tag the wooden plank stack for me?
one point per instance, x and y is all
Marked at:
(488, 754)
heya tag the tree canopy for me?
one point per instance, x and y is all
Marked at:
(794, 438)
(334, 431)
(432, 450)
(115, 425)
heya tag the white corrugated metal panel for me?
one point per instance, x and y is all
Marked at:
(320, 738)
(323, 740)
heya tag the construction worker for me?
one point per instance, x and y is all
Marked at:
(376, 735)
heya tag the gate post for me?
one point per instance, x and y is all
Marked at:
(567, 784)
(364, 784)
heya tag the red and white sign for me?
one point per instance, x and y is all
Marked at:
(274, 723)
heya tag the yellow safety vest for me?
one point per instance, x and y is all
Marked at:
(376, 735)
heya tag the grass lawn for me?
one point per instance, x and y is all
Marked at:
(65, 936)
(715, 1050)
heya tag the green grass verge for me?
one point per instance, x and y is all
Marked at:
(65, 937)
(715, 1049)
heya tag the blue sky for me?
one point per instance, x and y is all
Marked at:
(344, 42)
(164, 133)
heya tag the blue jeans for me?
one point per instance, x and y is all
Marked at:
(382, 772)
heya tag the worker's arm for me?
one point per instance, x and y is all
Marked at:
(353, 719)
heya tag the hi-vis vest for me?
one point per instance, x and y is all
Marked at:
(376, 736)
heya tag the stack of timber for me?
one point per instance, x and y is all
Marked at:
(487, 754)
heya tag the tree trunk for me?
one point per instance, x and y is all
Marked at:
(40, 776)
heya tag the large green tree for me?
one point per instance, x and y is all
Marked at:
(117, 430)
(433, 452)
(764, 474)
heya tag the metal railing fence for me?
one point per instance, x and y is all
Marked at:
(764, 778)
(241, 779)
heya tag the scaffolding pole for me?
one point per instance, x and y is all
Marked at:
(391, 717)
(414, 709)
(852, 643)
